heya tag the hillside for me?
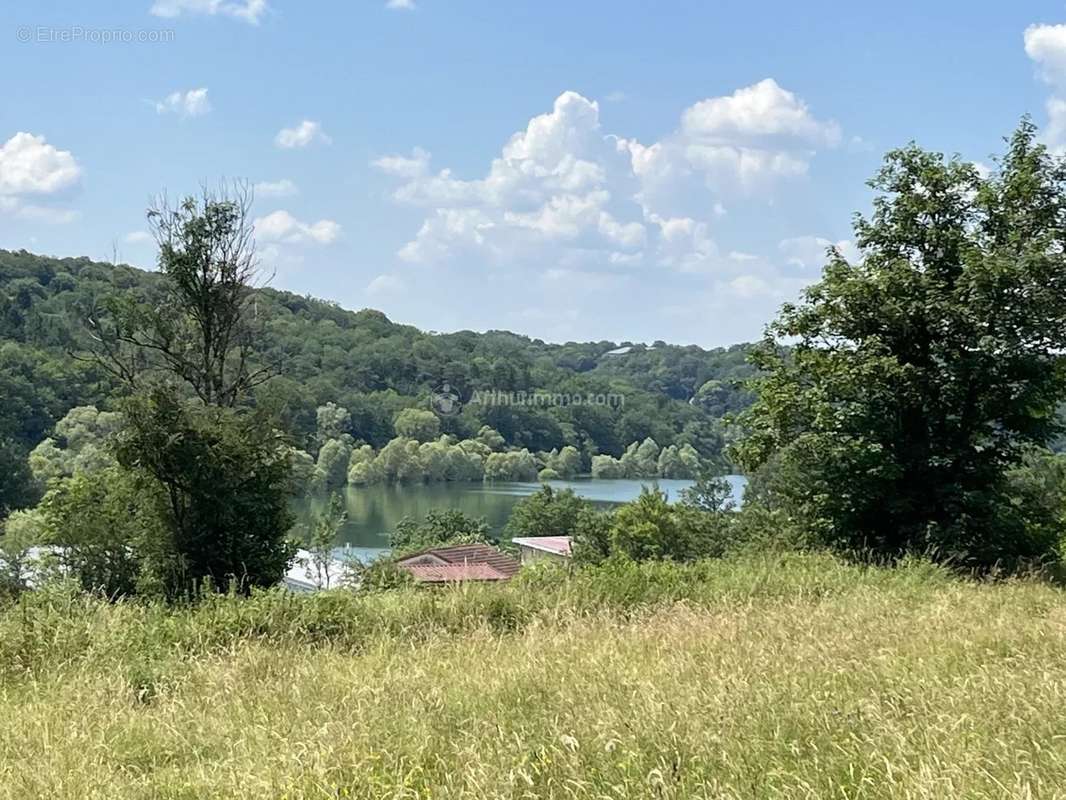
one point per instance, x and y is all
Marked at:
(793, 677)
(374, 368)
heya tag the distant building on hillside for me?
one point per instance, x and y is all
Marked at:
(463, 562)
(541, 548)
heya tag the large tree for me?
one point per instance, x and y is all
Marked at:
(223, 470)
(899, 393)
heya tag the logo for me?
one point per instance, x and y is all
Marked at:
(445, 400)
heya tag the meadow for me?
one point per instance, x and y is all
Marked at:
(772, 676)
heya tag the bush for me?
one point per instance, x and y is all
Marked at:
(109, 531)
(440, 526)
(548, 512)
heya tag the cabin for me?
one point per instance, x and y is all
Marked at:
(458, 563)
(543, 548)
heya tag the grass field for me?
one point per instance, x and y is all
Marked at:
(769, 677)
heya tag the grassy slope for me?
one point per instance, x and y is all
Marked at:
(792, 677)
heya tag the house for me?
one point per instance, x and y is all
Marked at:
(461, 562)
(541, 548)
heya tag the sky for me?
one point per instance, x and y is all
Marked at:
(627, 171)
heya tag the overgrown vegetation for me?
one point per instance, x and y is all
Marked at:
(771, 676)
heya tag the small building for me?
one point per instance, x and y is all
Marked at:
(461, 562)
(540, 548)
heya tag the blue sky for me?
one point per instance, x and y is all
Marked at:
(623, 170)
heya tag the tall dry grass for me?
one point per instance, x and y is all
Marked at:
(787, 676)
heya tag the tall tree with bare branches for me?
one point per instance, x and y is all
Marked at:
(202, 329)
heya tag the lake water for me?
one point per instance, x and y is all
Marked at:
(373, 511)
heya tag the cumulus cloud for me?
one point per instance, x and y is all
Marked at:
(193, 103)
(564, 191)
(761, 112)
(401, 5)
(282, 188)
(307, 132)
(283, 227)
(245, 10)
(1046, 46)
(32, 168)
(29, 165)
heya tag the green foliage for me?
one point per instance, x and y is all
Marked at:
(361, 362)
(918, 376)
(331, 470)
(548, 512)
(203, 332)
(652, 529)
(108, 531)
(513, 465)
(414, 423)
(17, 488)
(332, 422)
(18, 533)
(382, 575)
(79, 444)
(226, 476)
(440, 526)
(604, 466)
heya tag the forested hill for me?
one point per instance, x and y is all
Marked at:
(375, 368)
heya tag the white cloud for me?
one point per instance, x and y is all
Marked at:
(29, 165)
(245, 10)
(283, 227)
(138, 237)
(401, 5)
(1046, 46)
(282, 188)
(302, 135)
(809, 252)
(414, 166)
(763, 111)
(193, 103)
(564, 200)
(385, 284)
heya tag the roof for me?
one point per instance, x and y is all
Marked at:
(556, 545)
(442, 560)
(444, 573)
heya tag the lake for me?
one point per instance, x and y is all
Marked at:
(373, 511)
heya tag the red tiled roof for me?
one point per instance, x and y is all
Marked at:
(467, 556)
(445, 573)
(559, 545)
